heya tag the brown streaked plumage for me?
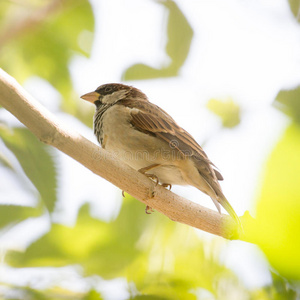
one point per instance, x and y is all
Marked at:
(149, 140)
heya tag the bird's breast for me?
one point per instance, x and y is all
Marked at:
(123, 139)
(136, 148)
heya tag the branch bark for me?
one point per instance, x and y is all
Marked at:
(50, 131)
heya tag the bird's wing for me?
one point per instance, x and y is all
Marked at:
(151, 119)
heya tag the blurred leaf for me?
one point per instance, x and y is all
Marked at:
(228, 111)
(288, 101)
(295, 8)
(10, 214)
(166, 292)
(41, 40)
(148, 297)
(29, 293)
(164, 259)
(93, 295)
(54, 293)
(35, 160)
(174, 262)
(141, 71)
(282, 289)
(180, 36)
(4, 161)
(179, 33)
(278, 208)
(101, 248)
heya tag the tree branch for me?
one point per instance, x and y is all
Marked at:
(50, 131)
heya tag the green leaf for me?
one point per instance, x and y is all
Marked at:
(101, 248)
(92, 295)
(164, 259)
(180, 36)
(141, 71)
(288, 102)
(4, 161)
(295, 8)
(174, 262)
(282, 289)
(179, 33)
(165, 292)
(278, 209)
(149, 297)
(53, 293)
(36, 161)
(228, 111)
(10, 214)
(45, 47)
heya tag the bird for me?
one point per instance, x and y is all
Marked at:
(147, 138)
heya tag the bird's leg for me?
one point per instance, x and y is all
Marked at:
(152, 176)
(148, 209)
(148, 168)
(167, 185)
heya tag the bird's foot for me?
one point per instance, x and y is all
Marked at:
(167, 186)
(153, 177)
(123, 194)
(149, 210)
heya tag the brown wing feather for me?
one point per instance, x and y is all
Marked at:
(151, 119)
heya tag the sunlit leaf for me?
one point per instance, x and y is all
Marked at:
(180, 34)
(141, 71)
(101, 248)
(36, 161)
(54, 293)
(282, 289)
(161, 257)
(92, 295)
(228, 111)
(10, 214)
(4, 161)
(278, 208)
(174, 262)
(166, 292)
(44, 47)
(295, 8)
(149, 297)
(288, 102)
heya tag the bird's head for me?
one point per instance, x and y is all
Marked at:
(111, 93)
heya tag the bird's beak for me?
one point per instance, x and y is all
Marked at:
(91, 97)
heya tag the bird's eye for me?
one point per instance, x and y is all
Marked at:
(108, 89)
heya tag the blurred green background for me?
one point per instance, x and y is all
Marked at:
(228, 72)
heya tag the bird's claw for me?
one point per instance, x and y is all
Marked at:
(153, 177)
(149, 210)
(167, 186)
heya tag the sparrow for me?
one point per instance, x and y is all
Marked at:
(148, 139)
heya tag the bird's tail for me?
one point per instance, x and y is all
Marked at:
(224, 202)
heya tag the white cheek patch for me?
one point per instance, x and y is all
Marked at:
(114, 97)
